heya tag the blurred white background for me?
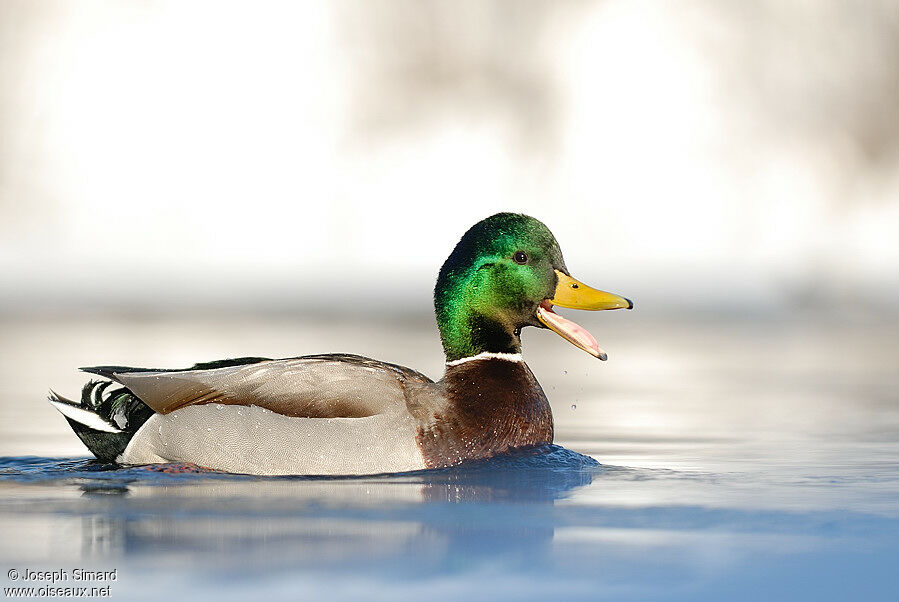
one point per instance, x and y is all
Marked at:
(158, 156)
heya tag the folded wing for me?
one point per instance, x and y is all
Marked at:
(315, 386)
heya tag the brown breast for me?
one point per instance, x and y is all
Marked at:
(491, 406)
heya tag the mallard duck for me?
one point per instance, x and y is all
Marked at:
(341, 414)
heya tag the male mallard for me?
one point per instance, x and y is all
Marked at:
(346, 414)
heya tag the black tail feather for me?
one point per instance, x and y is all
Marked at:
(104, 420)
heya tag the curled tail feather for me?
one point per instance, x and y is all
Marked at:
(105, 420)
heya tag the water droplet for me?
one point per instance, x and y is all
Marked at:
(564, 371)
(573, 407)
(208, 428)
(219, 406)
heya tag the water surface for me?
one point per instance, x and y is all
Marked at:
(746, 459)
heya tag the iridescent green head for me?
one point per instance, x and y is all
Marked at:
(506, 273)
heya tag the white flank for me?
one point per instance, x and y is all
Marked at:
(488, 355)
(88, 419)
(253, 440)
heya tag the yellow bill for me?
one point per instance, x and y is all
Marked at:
(576, 295)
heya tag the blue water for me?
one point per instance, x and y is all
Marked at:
(713, 460)
(511, 526)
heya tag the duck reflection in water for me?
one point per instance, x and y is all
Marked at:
(446, 519)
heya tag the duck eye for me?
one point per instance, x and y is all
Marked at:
(520, 257)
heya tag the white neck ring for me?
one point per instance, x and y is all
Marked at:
(488, 355)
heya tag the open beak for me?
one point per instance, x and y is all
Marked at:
(577, 295)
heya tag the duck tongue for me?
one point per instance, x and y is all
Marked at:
(573, 333)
